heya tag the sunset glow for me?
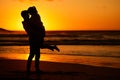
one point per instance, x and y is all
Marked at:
(64, 14)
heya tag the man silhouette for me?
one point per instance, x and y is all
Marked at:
(36, 32)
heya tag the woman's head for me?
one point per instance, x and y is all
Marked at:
(25, 14)
(32, 10)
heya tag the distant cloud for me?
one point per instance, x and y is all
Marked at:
(49, 0)
(27, 0)
(35, 0)
(24, 1)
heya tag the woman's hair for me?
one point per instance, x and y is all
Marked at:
(32, 10)
(24, 13)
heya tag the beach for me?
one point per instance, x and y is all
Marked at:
(87, 56)
(71, 39)
(16, 70)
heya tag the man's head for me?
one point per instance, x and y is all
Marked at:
(32, 10)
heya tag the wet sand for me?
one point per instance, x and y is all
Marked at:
(16, 70)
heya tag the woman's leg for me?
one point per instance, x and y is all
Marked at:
(51, 47)
(47, 46)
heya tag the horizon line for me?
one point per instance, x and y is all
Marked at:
(65, 30)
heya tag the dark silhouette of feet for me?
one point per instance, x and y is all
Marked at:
(56, 48)
(39, 71)
(28, 72)
(52, 49)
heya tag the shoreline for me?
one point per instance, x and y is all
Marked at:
(16, 70)
(62, 42)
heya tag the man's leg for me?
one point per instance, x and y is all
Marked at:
(37, 57)
(31, 55)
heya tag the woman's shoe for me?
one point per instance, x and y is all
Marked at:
(56, 48)
(52, 49)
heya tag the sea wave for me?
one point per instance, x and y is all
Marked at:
(67, 37)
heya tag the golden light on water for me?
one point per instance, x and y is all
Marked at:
(17, 56)
(95, 61)
(68, 54)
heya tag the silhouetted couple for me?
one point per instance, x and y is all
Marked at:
(34, 27)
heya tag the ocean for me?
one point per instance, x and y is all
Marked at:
(66, 38)
(96, 48)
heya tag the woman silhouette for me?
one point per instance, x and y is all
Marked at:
(36, 32)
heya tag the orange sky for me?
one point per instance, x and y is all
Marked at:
(64, 14)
